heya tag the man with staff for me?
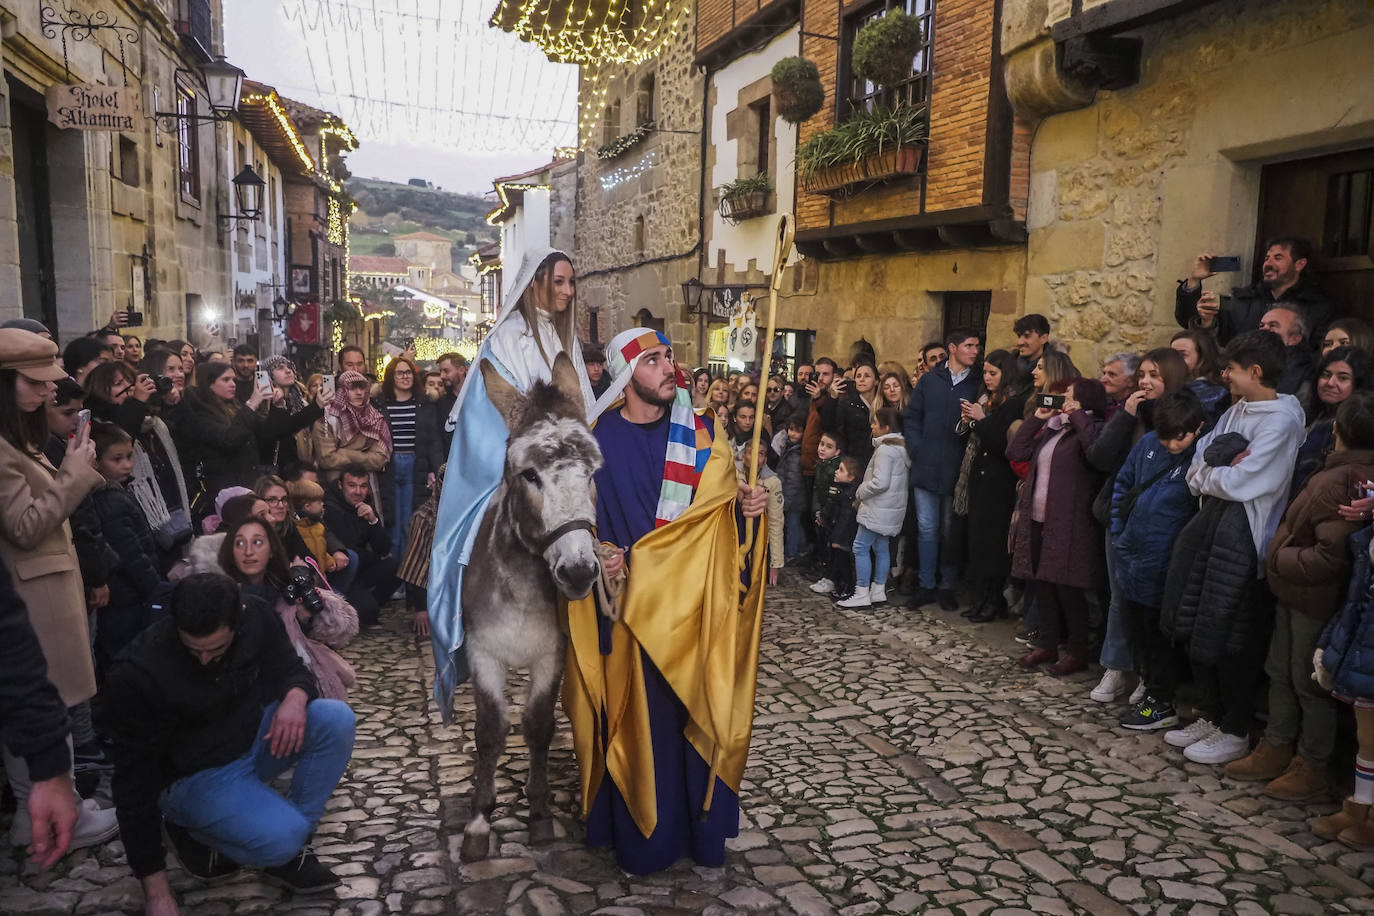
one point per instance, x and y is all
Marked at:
(660, 681)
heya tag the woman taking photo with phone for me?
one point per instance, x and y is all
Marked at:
(220, 435)
(290, 415)
(36, 548)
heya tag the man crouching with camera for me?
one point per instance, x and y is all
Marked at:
(205, 708)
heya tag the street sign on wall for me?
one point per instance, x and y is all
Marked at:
(88, 106)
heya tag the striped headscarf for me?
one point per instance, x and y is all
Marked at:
(689, 439)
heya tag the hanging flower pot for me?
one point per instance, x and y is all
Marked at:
(884, 49)
(797, 89)
(745, 198)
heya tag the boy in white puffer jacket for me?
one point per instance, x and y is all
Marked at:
(882, 507)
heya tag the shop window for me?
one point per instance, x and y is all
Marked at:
(188, 146)
(1349, 196)
(915, 89)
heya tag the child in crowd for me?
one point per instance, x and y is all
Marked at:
(135, 582)
(307, 500)
(793, 492)
(882, 506)
(748, 454)
(742, 422)
(1216, 602)
(828, 454)
(840, 519)
(1150, 505)
(1308, 565)
(414, 569)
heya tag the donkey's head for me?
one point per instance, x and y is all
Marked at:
(550, 500)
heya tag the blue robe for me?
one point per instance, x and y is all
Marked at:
(627, 500)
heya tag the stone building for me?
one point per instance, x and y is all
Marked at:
(426, 248)
(1167, 129)
(257, 255)
(127, 215)
(637, 224)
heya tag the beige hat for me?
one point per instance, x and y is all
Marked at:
(31, 356)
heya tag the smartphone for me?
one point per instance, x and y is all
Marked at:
(327, 386)
(264, 379)
(83, 424)
(133, 319)
(1224, 264)
(410, 343)
(1050, 401)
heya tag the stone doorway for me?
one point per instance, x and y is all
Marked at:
(33, 205)
(1328, 200)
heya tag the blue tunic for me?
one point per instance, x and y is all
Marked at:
(627, 489)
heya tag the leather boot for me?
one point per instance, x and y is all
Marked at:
(994, 609)
(979, 603)
(1300, 782)
(1267, 761)
(1330, 826)
(1359, 835)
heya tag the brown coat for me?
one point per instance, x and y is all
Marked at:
(36, 546)
(332, 456)
(1309, 562)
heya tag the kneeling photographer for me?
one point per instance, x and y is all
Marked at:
(317, 621)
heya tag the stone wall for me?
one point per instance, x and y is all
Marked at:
(1124, 192)
(637, 223)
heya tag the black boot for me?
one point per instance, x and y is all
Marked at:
(982, 597)
(995, 607)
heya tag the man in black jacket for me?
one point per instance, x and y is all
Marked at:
(245, 371)
(351, 516)
(1283, 276)
(453, 369)
(205, 708)
(33, 728)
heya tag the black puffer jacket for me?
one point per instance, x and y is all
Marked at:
(135, 580)
(226, 450)
(1212, 577)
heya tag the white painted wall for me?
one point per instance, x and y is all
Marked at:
(752, 239)
(263, 241)
(528, 227)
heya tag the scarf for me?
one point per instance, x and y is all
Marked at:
(689, 438)
(366, 420)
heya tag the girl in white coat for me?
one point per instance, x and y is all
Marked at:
(882, 507)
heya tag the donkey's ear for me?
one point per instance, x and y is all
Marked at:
(504, 396)
(566, 381)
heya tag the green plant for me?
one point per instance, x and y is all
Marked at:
(884, 48)
(797, 88)
(867, 133)
(752, 185)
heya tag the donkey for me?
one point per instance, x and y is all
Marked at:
(536, 539)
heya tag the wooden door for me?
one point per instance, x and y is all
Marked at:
(1328, 200)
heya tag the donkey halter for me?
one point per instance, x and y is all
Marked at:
(577, 524)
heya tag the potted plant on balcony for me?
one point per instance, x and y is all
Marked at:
(797, 89)
(745, 198)
(884, 49)
(871, 147)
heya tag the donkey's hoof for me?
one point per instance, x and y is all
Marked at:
(476, 847)
(541, 832)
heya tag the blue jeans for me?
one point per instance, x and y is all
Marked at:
(934, 520)
(793, 536)
(866, 570)
(403, 473)
(342, 580)
(1116, 637)
(232, 809)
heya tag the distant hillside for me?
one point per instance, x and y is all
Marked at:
(387, 209)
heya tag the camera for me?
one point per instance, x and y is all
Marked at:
(300, 586)
(162, 383)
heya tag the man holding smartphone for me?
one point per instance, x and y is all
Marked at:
(1283, 276)
(245, 371)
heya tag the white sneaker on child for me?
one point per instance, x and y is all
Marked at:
(860, 598)
(1111, 687)
(1182, 737)
(1218, 748)
(823, 587)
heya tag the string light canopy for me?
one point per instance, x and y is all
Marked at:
(594, 31)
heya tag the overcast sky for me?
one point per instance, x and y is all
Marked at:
(429, 89)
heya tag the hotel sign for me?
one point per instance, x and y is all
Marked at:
(94, 107)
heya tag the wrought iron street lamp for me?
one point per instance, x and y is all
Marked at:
(248, 186)
(692, 290)
(223, 84)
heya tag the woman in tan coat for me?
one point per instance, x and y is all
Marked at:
(36, 545)
(353, 431)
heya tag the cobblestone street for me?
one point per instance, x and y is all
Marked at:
(901, 763)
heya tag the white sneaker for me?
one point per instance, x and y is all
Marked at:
(1182, 737)
(859, 599)
(1138, 694)
(1111, 687)
(877, 594)
(823, 587)
(1218, 748)
(94, 825)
